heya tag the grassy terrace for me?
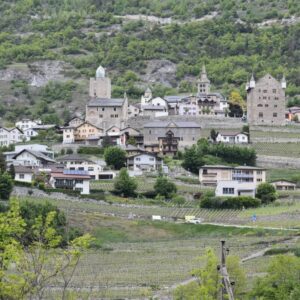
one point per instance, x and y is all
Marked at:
(278, 149)
(287, 174)
(144, 185)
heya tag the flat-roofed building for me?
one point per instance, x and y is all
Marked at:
(210, 175)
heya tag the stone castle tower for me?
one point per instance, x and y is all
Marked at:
(100, 86)
(203, 83)
(266, 101)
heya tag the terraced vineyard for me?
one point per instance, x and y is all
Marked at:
(278, 149)
(144, 185)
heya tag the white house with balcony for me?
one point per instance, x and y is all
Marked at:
(75, 162)
(72, 180)
(144, 162)
(232, 137)
(210, 175)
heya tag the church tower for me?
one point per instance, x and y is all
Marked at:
(100, 86)
(203, 82)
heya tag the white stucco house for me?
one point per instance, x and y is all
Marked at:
(10, 136)
(31, 158)
(75, 162)
(232, 137)
(24, 174)
(144, 162)
(234, 188)
(27, 123)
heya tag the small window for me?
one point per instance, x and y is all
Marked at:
(274, 91)
(259, 105)
(275, 105)
(266, 105)
(115, 109)
(103, 108)
(260, 115)
(275, 115)
(21, 176)
(265, 91)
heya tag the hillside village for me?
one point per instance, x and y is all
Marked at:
(168, 125)
(149, 150)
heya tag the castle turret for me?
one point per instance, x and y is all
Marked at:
(100, 86)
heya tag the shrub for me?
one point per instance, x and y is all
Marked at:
(266, 193)
(229, 202)
(164, 187)
(124, 185)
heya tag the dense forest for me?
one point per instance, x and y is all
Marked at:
(232, 44)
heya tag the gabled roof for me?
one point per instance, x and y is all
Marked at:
(106, 102)
(11, 129)
(87, 122)
(233, 133)
(36, 154)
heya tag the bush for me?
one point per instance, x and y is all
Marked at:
(266, 193)
(229, 202)
(124, 185)
(164, 187)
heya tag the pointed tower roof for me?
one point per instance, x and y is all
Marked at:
(203, 75)
(100, 72)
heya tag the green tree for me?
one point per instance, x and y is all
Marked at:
(36, 265)
(124, 185)
(2, 163)
(6, 186)
(281, 281)
(266, 193)
(11, 171)
(208, 283)
(115, 157)
(213, 135)
(164, 187)
(236, 274)
(131, 141)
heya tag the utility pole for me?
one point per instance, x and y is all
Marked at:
(225, 282)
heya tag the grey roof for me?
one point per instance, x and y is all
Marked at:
(73, 157)
(153, 107)
(103, 102)
(22, 169)
(174, 98)
(165, 124)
